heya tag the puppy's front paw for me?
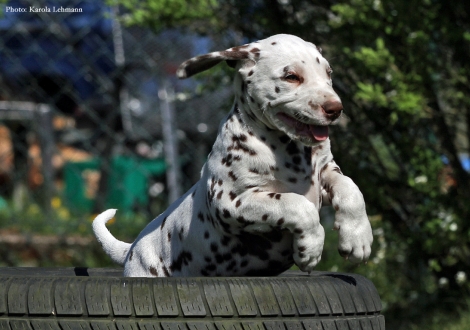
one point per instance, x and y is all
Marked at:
(355, 240)
(308, 250)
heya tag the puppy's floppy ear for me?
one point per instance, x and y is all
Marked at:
(203, 62)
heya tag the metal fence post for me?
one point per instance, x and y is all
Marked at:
(45, 131)
(170, 140)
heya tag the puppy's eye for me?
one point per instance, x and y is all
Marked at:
(329, 71)
(292, 77)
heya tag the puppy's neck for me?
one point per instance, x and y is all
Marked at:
(272, 137)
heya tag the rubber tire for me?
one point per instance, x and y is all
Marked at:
(101, 299)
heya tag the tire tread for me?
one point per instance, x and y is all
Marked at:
(53, 302)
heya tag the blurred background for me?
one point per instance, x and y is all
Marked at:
(92, 117)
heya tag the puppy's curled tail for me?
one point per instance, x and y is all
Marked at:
(114, 248)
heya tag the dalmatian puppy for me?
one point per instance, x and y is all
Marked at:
(255, 210)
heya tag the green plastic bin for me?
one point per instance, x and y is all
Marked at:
(128, 182)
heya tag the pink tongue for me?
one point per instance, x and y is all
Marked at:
(320, 133)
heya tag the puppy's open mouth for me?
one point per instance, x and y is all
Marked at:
(316, 132)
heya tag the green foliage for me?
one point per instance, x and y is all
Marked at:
(159, 14)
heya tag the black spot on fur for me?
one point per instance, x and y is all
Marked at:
(284, 139)
(184, 258)
(180, 234)
(131, 254)
(280, 222)
(211, 267)
(219, 195)
(277, 89)
(219, 258)
(239, 249)
(206, 235)
(227, 161)
(153, 271)
(323, 168)
(200, 216)
(264, 217)
(292, 180)
(232, 195)
(308, 155)
(225, 240)
(244, 263)
(239, 142)
(165, 271)
(292, 148)
(214, 247)
(238, 203)
(169, 236)
(296, 160)
(232, 176)
(163, 223)
(250, 73)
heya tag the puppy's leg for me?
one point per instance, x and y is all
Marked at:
(264, 211)
(354, 230)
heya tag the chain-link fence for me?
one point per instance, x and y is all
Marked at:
(92, 115)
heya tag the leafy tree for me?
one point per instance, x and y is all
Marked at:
(159, 14)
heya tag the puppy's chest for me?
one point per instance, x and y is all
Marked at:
(266, 160)
(293, 165)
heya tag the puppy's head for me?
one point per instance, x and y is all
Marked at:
(283, 82)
